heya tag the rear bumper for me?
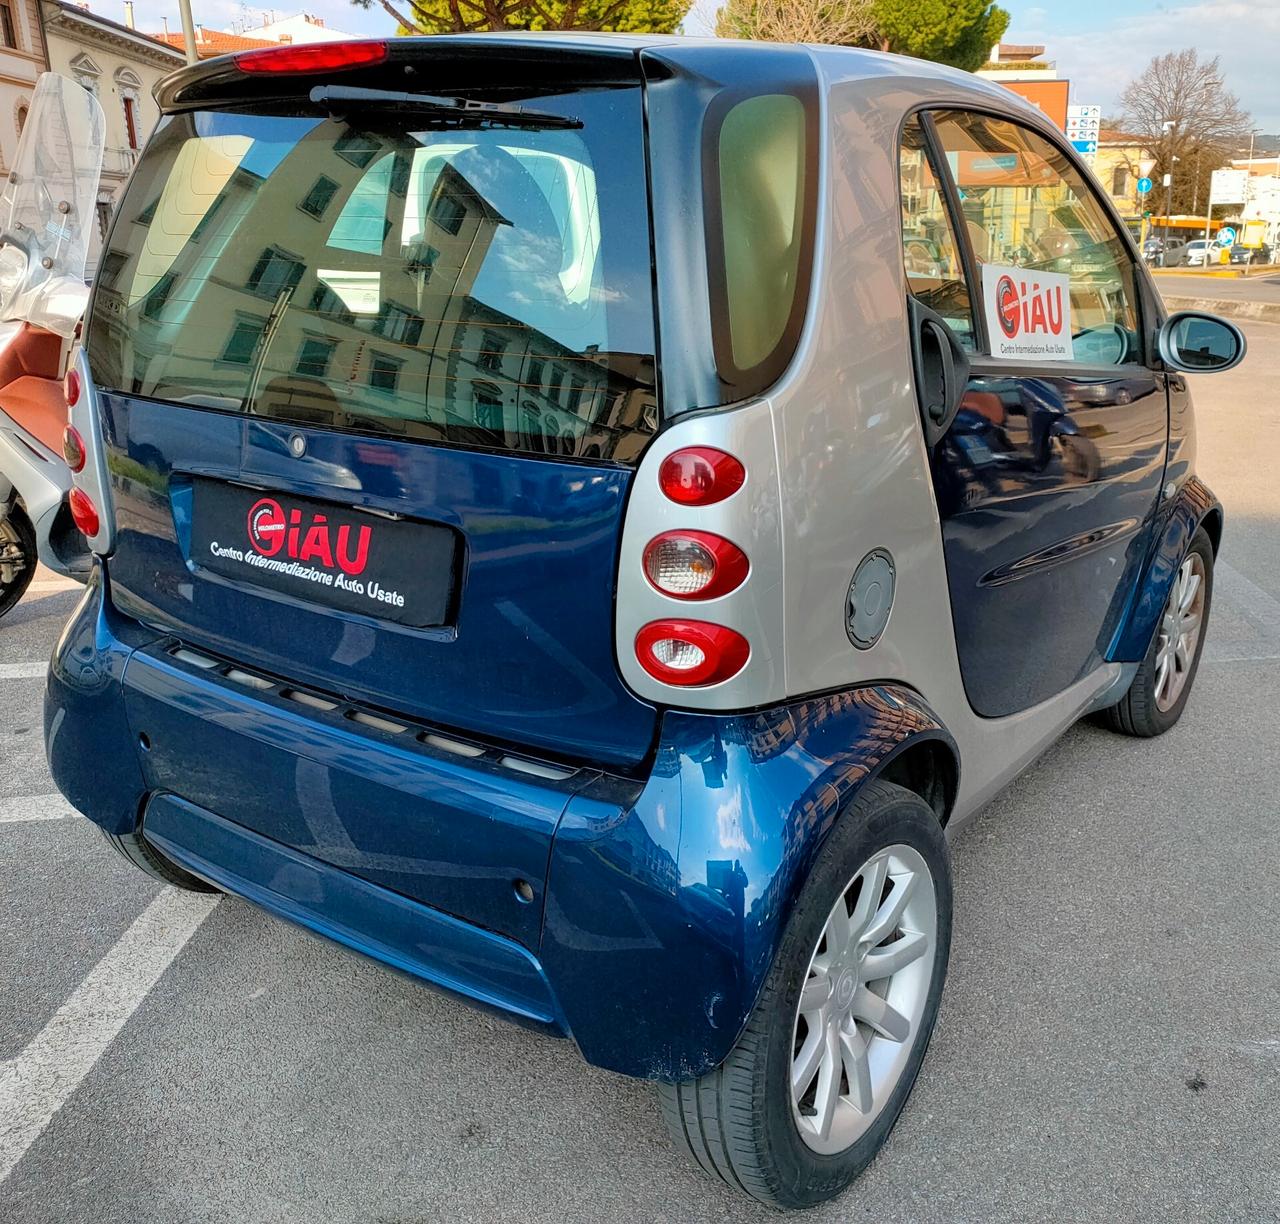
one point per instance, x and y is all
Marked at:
(661, 902)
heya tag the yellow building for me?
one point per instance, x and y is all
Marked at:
(1120, 162)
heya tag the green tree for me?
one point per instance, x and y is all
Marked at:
(465, 16)
(956, 32)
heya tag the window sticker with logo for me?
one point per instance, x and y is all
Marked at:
(1028, 313)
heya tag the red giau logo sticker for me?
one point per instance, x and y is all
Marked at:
(307, 537)
(1028, 313)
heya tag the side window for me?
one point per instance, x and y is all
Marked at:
(1027, 210)
(935, 274)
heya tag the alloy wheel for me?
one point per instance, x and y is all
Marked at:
(14, 561)
(860, 1009)
(1180, 628)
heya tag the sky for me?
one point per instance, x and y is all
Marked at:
(1099, 44)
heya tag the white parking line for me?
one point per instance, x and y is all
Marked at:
(23, 671)
(35, 1084)
(18, 808)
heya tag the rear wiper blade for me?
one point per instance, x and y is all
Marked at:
(342, 100)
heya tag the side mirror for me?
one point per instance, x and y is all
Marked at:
(1200, 343)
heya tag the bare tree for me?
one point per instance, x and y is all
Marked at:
(1188, 117)
(801, 21)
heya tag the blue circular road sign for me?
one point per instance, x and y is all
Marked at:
(1227, 236)
(1144, 185)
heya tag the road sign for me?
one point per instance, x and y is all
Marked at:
(1228, 186)
(1085, 146)
(1227, 236)
(1144, 185)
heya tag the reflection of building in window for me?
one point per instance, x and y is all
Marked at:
(314, 356)
(395, 323)
(359, 148)
(319, 197)
(203, 224)
(490, 356)
(275, 271)
(245, 334)
(159, 295)
(448, 212)
(488, 408)
(384, 373)
(148, 214)
(536, 365)
(325, 302)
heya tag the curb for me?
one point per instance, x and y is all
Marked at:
(1231, 308)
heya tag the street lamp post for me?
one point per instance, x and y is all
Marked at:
(1167, 128)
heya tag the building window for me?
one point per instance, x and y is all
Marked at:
(319, 197)
(396, 323)
(104, 218)
(274, 272)
(384, 373)
(325, 302)
(536, 366)
(23, 112)
(448, 212)
(203, 224)
(314, 357)
(357, 148)
(1120, 181)
(159, 295)
(131, 122)
(488, 409)
(243, 341)
(9, 30)
(490, 357)
(148, 214)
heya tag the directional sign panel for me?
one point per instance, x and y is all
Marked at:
(1085, 146)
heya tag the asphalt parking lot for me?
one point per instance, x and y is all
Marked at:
(1108, 1047)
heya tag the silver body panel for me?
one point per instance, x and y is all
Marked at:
(837, 464)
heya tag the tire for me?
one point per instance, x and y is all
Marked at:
(18, 540)
(1142, 711)
(135, 849)
(739, 1122)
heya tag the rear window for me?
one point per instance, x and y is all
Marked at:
(482, 287)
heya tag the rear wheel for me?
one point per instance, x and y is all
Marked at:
(817, 1080)
(1160, 689)
(135, 849)
(17, 556)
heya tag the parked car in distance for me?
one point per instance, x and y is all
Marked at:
(582, 521)
(1260, 254)
(1198, 253)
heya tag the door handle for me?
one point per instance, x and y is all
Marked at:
(941, 369)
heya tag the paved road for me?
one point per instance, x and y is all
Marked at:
(1256, 288)
(1108, 1047)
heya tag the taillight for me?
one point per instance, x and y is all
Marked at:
(694, 564)
(313, 57)
(84, 513)
(73, 449)
(690, 653)
(71, 388)
(700, 476)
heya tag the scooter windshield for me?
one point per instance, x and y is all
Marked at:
(47, 206)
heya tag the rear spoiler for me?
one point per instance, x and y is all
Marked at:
(445, 64)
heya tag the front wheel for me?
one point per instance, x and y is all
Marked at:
(17, 556)
(1160, 689)
(816, 1082)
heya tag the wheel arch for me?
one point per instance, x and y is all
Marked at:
(1193, 506)
(695, 909)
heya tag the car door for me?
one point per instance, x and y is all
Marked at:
(1047, 428)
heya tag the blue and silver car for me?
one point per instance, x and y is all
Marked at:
(582, 520)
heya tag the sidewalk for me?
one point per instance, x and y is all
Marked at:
(1253, 297)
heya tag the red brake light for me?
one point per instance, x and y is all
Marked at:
(313, 57)
(700, 476)
(694, 564)
(690, 653)
(71, 387)
(84, 513)
(73, 450)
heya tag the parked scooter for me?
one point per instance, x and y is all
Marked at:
(46, 210)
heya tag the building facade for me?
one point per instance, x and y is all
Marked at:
(119, 66)
(1120, 163)
(23, 57)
